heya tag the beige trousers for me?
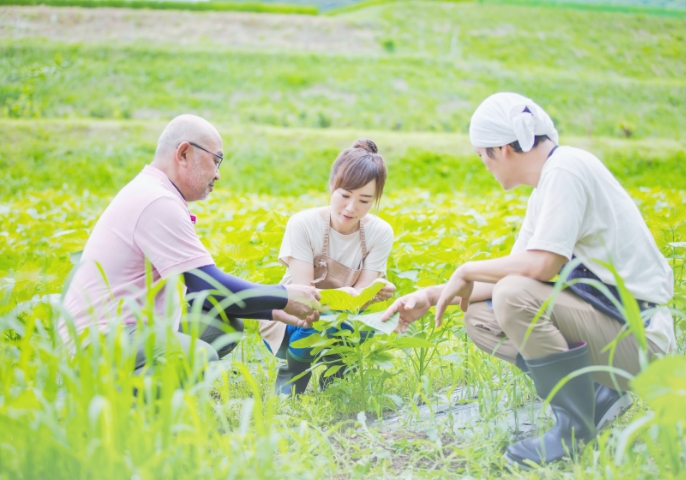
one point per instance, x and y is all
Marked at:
(516, 300)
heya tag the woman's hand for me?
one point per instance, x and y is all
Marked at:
(350, 290)
(386, 292)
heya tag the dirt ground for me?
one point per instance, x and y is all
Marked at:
(204, 29)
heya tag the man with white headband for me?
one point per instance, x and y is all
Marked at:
(578, 214)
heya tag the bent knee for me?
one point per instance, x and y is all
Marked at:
(475, 314)
(513, 294)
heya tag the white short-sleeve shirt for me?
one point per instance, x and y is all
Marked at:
(304, 239)
(580, 209)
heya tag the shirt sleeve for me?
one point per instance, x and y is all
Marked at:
(377, 257)
(166, 236)
(296, 241)
(252, 299)
(562, 202)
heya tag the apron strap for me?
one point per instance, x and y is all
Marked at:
(363, 242)
(326, 233)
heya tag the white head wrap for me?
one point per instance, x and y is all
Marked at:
(505, 117)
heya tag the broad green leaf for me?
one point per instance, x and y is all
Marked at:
(374, 320)
(332, 370)
(338, 300)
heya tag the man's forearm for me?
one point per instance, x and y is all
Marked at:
(536, 264)
(257, 299)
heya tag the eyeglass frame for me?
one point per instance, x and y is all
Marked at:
(220, 157)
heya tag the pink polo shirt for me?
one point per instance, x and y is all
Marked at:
(147, 219)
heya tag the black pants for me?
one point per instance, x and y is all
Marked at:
(212, 332)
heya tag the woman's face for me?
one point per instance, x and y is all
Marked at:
(348, 207)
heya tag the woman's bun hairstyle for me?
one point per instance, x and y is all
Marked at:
(365, 144)
(358, 165)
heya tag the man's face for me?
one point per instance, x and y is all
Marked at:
(503, 169)
(203, 170)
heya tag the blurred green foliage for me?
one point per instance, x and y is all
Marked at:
(100, 157)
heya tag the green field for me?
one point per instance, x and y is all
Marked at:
(84, 95)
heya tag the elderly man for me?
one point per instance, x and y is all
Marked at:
(577, 212)
(148, 227)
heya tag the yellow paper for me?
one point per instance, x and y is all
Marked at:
(338, 300)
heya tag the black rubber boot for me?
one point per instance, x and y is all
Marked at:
(330, 361)
(573, 406)
(609, 404)
(284, 377)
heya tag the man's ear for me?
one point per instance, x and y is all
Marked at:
(182, 154)
(507, 152)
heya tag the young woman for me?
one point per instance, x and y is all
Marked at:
(339, 246)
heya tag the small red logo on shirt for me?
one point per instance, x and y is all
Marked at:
(194, 219)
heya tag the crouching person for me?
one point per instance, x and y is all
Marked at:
(577, 211)
(148, 222)
(339, 246)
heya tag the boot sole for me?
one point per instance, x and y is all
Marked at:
(516, 463)
(616, 410)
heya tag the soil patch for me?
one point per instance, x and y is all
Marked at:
(185, 28)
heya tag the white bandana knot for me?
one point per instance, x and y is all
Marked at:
(505, 117)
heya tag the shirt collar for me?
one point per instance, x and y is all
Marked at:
(159, 174)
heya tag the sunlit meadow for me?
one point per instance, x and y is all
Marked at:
(81, 117)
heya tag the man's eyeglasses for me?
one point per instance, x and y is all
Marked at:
(221, 158)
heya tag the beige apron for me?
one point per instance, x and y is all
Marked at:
(328, 273)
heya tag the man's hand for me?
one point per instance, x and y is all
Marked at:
(303, 301)
(281, 316)
(411, 307)
(386, 292)
(457, 286)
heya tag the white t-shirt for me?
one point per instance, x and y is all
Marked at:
(580, 209)
(304, 239)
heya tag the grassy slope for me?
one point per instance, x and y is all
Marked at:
(625, 77)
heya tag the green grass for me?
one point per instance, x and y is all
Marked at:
(80, 120)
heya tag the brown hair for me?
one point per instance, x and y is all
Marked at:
(358, 165)
(517, 147)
